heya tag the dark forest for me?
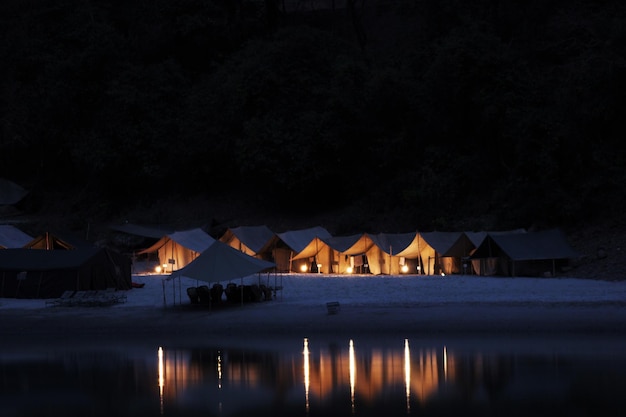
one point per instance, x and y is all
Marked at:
(388, 115)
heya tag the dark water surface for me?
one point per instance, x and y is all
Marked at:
(343, 377)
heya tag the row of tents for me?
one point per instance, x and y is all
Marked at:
(47, 265)
(315, 250)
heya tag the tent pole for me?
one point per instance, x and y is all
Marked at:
(419, 255)
(171, 272)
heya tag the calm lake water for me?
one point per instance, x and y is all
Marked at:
(345, 377)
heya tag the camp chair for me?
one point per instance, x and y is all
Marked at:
(192, 293)
(204, 294)
(233, 294)
(216, 293)
(109, 297)
(64, 299)
(266, 291)
(84, 298)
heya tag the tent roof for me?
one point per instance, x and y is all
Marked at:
(350, 245)
(21, 259)
(220, 262)
(10, 192)
(195, 239)
(297, 240)
(312, 249)
(60, 241)
(543, 245)
(12, 237)
(478, 237)
(254, 237)
(444, 242)
(394, 243)
(145, 230)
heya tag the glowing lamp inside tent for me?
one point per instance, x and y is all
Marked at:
(303, 268)
(157, 269)
(319, 268)
(349, 270)
(164, 266)
(405, 269)
(443, 274)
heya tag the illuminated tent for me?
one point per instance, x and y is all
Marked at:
(296, 248)
(12, 237)
(257, 241)
(55, 241)
(178, 249)
(391, 251)
(529, 254)
(220, 262)
(27, 273)
(348, 253)
(335, 254)
(445, 252)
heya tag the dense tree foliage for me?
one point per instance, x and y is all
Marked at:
(448, 114)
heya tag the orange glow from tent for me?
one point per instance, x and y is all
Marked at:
(303, 268)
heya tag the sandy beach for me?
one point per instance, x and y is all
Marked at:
(372, 307)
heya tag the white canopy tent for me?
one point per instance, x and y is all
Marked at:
(220, 262)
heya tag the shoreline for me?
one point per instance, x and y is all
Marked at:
(242, 325)
(376, 309)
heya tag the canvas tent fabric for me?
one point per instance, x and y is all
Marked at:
(178, 249)
(27, 273)
(529, 253)
(291, 246)
(426, 253)
(221, 262)
(348, 253)
(56, 241)
(335, 254)
(477, 237)
(12, 237)
(446, 252)
(256, 241)
(391, 250)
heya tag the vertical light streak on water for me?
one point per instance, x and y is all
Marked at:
(219, 370)
(219, 379)
(161, 377)
(445, 364)
(407, 375)
(352, 362)
(307, 379)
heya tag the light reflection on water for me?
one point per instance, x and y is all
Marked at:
(312, 379)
